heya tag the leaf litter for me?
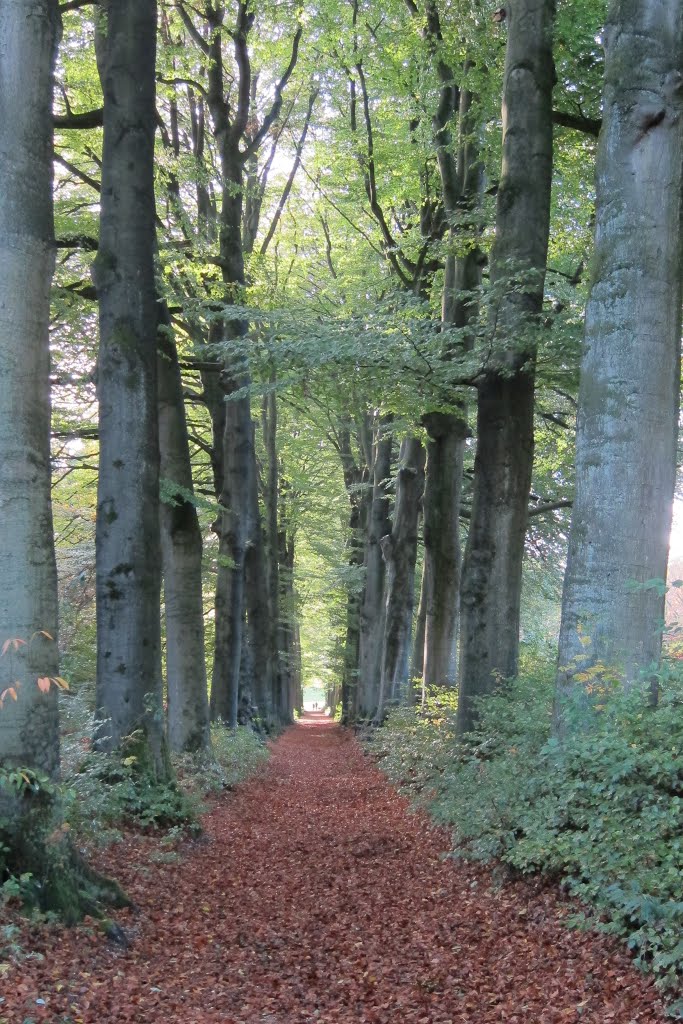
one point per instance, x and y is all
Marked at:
(317, 895)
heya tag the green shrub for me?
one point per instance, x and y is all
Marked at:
(102, 792)
(236, 754)
(603, 811)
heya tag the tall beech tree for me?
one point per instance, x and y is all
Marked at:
(373, 605)
(399, 550)
(492, 571)
(181, 552)
(629, 393)
(460, 177)
(33, 843)
(128, 562)
(230, 101)
(28, 595)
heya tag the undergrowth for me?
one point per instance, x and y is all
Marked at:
(102, 792)
(602, 812)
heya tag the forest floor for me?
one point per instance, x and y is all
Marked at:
(316, 895)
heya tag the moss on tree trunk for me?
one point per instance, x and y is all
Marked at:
(36, 846)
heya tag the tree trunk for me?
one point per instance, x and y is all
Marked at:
(417, 664)
(29, 734)
(232, 528)
(128, 556)
(181, 555)
(441, 575)
(400, 552)
(492, 570)
(258, 610)
(284, 684)
(271, 503)
(628, 399)
(373, 606)
(29, 726)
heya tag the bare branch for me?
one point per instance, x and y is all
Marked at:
(86, 242)
(549, 506)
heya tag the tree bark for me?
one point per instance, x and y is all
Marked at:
(372, 609)
(128, 558)
(258, 609)
(400, 553)
(356, 475)
(272, 515)
(29, 734)
(181, 555)
(492, 571)
(629, 392)
(29, 726)
(441, 573)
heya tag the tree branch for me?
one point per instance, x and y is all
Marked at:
(195, 35)
(292, 174)
(245, 20)
(587, 125)
(78, 173)
(86, 119)
(86, 242)
(76, 5)
(80, 288)
(274, 111)
(549, 506)
(391, 248)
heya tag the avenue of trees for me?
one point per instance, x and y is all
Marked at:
(301, 289)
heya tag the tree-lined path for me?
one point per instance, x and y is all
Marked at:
(316, 895)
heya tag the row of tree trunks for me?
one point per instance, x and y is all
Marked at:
(356, 479)
(259, 607)
(246, 605)
(275, 559)
(287, 692)
(441, 532)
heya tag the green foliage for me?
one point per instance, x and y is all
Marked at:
(108, 790)
(101, 792)
(602, 811)
(236, 754)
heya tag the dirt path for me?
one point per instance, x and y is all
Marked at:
(317, 897)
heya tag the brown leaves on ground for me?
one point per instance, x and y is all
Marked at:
(317, 896)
